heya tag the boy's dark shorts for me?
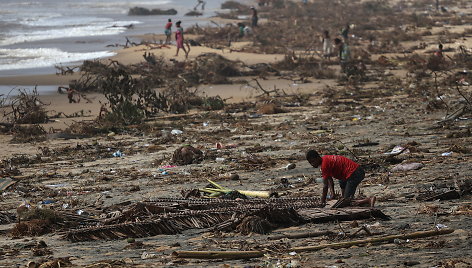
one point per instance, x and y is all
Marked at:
(349, 186)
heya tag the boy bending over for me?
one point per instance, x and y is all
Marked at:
(347, 172)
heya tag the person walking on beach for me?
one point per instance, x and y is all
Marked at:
(71, 95)
(439, 53)
(327, 45)
(345, 32)
(347, 172)
(254, 18)
(200, 2)
(343, 52)
(179, 38)
(168, 31)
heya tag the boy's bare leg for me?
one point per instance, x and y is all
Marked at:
(367, 201)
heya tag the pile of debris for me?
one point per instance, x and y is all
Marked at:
(6, 217)
(173, 215)
(445, 191)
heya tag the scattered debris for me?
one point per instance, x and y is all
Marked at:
(407, 167)
(447, 191)
(187, 155)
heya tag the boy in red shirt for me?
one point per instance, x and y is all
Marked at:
(347, 172)
(168, 31)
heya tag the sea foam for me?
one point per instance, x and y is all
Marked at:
(13, 59)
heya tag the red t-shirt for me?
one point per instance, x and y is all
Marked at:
(168, 25)
(337, 166)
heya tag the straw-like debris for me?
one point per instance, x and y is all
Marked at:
(255, 224)
(6, 217)
(174, 215)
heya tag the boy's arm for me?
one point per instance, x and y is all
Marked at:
(325, 191)
(331, 188)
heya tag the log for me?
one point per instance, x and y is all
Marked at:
(388, 238)
(300, 235)
(257, 254)
(234, 255)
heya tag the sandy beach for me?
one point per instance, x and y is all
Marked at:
(127, 180)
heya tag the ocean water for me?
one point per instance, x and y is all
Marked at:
(36, 35)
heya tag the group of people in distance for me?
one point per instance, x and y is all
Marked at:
(179, 37)
(340, 43)
(179, 32)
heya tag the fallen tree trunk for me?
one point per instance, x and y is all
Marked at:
(299, 235)
(257, 254)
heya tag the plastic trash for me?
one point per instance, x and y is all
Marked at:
(220, 159)
(255, 115)
(56, 185)
(290, 166)
(446, 154)
(117, 154)
(407, 167)
(167, 166)
(440, 226)
(146, 255)
(176, 132)
(398, 150)
(46, 202)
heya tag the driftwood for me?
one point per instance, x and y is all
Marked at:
(257, 254)
(389, 238)
(234, 255)
(300, 235)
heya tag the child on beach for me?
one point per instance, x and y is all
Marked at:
(326, 45)
(168, 31)
(345, 32)
(254, 18)
(179, 38)
(347, 172)
(343, 52)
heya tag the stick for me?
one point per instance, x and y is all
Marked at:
(217, 254)
(389, 238)
(257, 254)
(300, 235)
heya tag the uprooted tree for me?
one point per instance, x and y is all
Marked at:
(136, 92)
(443, 83)
(26, 108)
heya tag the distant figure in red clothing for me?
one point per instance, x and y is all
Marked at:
(347, 172)
(439, 53)
(179, 39)
(71, 93)
(168, 31)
